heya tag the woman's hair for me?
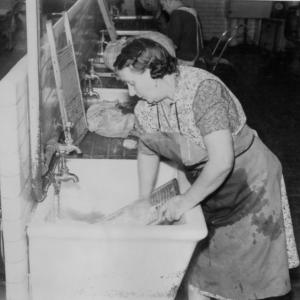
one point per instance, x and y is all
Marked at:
(142, 53)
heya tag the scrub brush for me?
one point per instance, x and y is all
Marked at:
(144, 211)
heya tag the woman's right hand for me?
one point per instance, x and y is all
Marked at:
(173, 209)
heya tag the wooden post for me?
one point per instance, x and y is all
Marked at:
(33, 48)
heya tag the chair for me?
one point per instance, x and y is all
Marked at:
(212, 55)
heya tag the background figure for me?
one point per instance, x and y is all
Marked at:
(146, 7)
(184, 28)
(139, 9)
(118, 4)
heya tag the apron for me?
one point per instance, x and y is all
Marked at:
(244, 256)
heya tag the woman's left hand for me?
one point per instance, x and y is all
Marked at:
(173, 209)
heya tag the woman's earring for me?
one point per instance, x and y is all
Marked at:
(156, 83)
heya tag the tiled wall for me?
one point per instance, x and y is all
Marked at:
(15, 178)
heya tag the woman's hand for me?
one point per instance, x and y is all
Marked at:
(173, 209)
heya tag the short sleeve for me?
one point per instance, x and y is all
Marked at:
(210, 107)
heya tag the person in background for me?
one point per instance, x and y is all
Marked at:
(184, 28)
(190, 117)
(146, 7)
(139, 9)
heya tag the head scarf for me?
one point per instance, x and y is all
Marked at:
(113, 49)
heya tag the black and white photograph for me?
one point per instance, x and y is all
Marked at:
(149, 150)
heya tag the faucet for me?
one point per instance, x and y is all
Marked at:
(102, 42)
(114, 12)
(68, 147)
(90, 95)
(63, 173)
(59, 163)
(56, 178)
(92, 73)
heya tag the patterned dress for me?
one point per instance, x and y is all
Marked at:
(245, 254)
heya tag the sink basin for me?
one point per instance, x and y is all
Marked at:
(76, 259)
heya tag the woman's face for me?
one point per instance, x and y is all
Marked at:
(141, 85)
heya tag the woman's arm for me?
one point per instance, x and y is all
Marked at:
(147, 173)
(220, 162)
(211, 111)
(219, 165)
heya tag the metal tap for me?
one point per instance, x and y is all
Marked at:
(68, 147)
(102, 42)
(90, 80)
(92, 73)
(92, 77)
(114, 12)
(63, 173)
(90, 96)
(58, 171)
(59, 163)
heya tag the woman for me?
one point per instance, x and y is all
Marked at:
(183, 28)
(189, 116)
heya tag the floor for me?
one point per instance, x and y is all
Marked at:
(269, 92)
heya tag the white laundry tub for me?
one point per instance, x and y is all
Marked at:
(78, 260)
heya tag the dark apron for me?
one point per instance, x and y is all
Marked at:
(244, 256)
